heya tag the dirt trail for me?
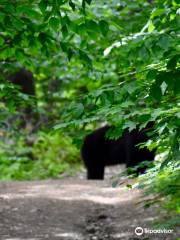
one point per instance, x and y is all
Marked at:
(73, 209)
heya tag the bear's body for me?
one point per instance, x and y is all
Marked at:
(98, 151)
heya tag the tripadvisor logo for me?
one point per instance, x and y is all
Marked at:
(139, 231)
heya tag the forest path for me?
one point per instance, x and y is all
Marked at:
(72, 209)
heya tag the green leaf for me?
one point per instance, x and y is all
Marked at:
(54, 23)
(131, 87)
(144, 118)
(164, 42)
(79, 109)
(144, 54)
(104, 27)
(70, 53)
(42, 37)
(1, 41)
(155, 92)
(19, 25)
(172, 62)
(92, 26)
(64, 31)
(7, 22)
(64, 46)
(151, 26)
(151, 75)
(7, 53)
(130, 125)
(61, 2)
(65, 21)
(177, 83)
(178, 115)
(88, 1)
(114, 132)
(43, 5)
(157, 12)
(19, 53)
(72, 5)
(163, 87)
(169, 78)
(85, 58)
(83, 4)
(116, 25)
(127, 104)
(81, 29)
(76, 109)
(25, 9)
(10, 7)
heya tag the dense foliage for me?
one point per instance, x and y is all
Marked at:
(94, 62)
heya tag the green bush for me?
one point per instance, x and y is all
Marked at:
(162, 185)
(40, 156)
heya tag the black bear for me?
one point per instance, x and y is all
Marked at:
(25, 80)
(27, 115)
(98, 151)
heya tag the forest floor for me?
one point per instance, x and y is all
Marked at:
(75, 209)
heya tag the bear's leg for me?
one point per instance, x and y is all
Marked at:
(95, 172)
(95, 153)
